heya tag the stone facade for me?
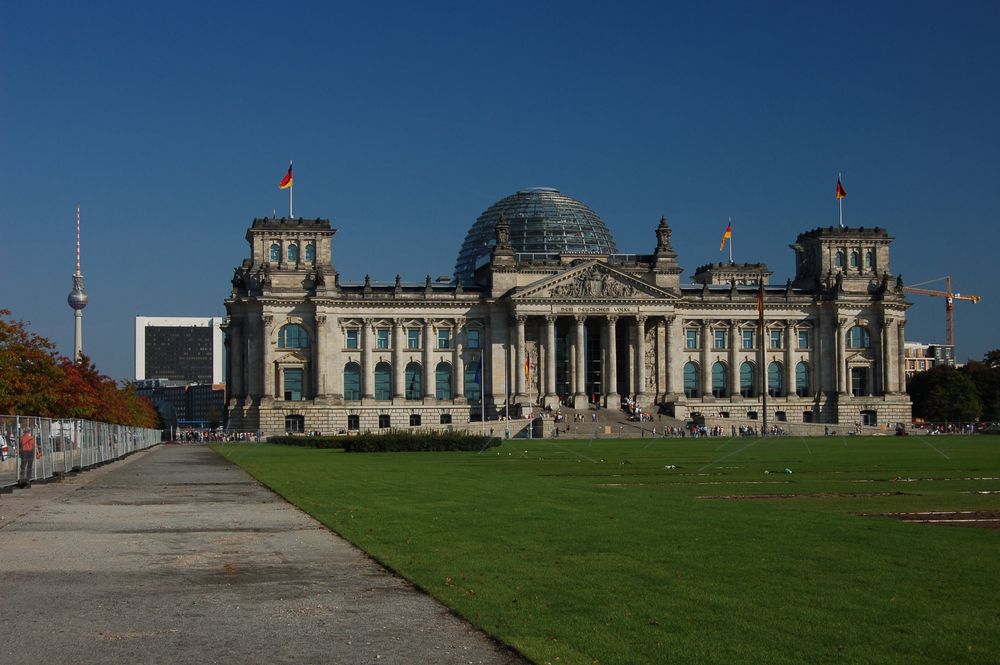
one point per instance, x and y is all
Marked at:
(309, 352)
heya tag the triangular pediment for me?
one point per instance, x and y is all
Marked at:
(591, 280)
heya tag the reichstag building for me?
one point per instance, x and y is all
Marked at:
(544, 312)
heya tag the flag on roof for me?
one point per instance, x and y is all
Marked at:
(726, 236)
(286, 182)
(841, 192)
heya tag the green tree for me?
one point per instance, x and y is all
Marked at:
(944, 394)
(986, 377)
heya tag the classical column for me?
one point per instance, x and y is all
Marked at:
(660, 364)
(319, 367)
(429, 391)
(551, 400)
(458, 362)
(706, 367)
(268, 328)
(237, 386)
(842, 379)
(367, 370)
(675, 368)
(611, 398)
(398, 365)
(789, 365)
(640, 361)
(885, 348)
(734, 369)
(900, 356)
(336, 362)
(519, 356)
(580, 385)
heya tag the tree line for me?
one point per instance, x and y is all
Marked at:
(36, 380)
(958, 394)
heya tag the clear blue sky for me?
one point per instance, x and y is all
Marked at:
(172, 123)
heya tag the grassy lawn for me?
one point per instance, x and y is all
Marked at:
(598, 552)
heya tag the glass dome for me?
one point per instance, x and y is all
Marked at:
(541, 221)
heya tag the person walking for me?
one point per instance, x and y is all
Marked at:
(27, 448)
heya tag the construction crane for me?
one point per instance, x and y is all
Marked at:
(949, 306)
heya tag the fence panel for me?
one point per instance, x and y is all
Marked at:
(64, 445)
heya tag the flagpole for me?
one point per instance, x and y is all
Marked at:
(763, 355)
(840, 200)
(291, 214)
(730, 242)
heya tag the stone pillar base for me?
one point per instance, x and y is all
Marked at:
(581, 401)
(552, 402)
(613, 401)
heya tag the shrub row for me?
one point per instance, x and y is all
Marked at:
(393, 442)
(308, 441)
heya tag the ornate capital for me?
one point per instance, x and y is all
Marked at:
(580, 318)
(551, 319)
(612, 319)
(320, 320)
(268, 320)
(521, 319)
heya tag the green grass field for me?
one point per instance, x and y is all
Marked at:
(599, 552)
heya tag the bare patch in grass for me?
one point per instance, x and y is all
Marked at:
(817, 495)
(976, 519)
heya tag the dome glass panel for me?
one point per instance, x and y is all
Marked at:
(542, 220)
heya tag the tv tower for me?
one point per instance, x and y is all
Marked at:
(77, 298)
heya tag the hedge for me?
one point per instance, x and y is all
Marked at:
(392, 442)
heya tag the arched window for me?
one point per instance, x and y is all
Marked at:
(473, 389)
(869, 259)
(293, 253)
(855, 260)
(839, 260)
(802, 380)
(383, 381)
(352, 381)
(414, 381)
(719, 380)
(747, 380)
(442, 381)
(858, 337)
(691, 380)
(774, 379)
(275, 252)
(293, 336)
(310, 253)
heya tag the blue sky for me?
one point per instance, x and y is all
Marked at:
(171, 124)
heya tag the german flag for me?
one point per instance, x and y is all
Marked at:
(726, 236)
(286, 182)
(841, 192)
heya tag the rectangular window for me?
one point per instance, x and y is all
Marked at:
(775, 339)
(473, 338)
(382, 338)
(720, 339)
(923, 364)
(444, 339)
(352, 338)
(293, 384)
(748, 339)
(691, 339)
(413, 339)
(804, 340)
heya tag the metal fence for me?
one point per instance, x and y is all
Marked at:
(64, 445)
